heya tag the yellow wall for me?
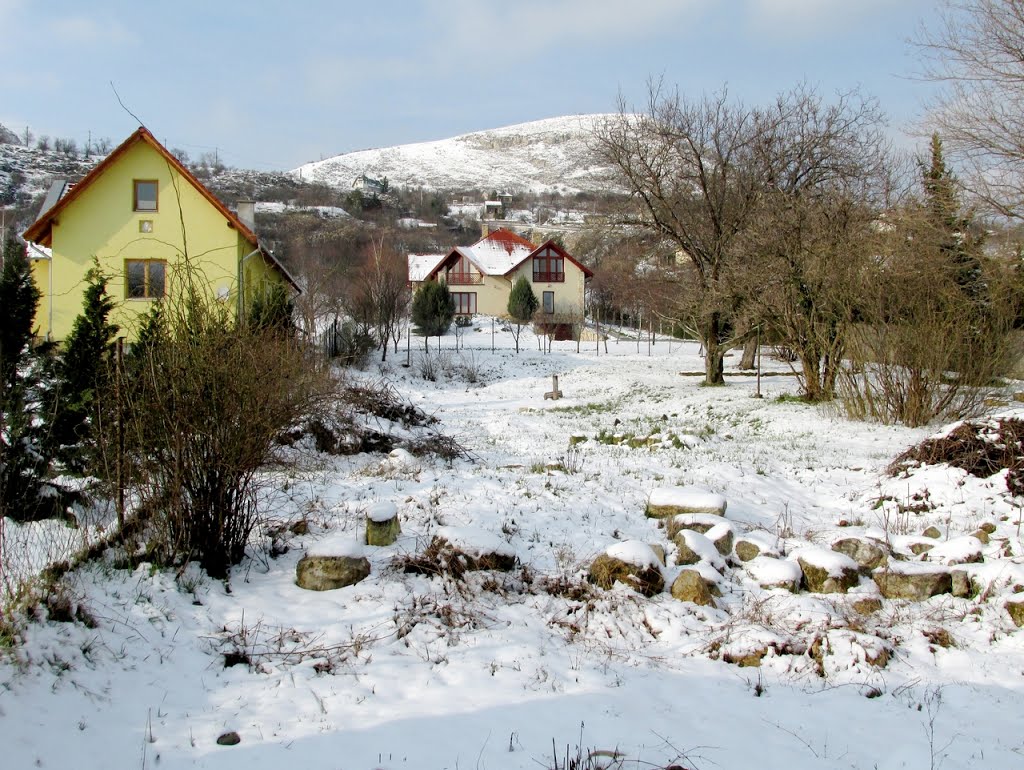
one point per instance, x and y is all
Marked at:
(100, 222)
(492, 294)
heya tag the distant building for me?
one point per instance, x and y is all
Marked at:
(480, 276)
(369, 186)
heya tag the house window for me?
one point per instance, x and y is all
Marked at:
(549, 302)
(145, 278)
(462, 273)
(548, 267)
(465, 302)
(144, 195)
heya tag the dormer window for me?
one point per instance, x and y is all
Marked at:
(144, 195)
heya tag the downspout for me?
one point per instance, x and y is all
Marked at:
(241, 282)
(49, 280)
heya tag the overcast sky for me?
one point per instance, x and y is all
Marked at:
(273, 85)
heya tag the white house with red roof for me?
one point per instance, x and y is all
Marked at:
(480, 276)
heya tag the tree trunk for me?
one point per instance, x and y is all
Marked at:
(714, 361)
(749, 353)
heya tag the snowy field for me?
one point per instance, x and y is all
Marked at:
(493, 671)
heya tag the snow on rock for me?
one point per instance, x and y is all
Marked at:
(867, 553)
(698, 522)
(774, 573)
(475, 542)
(336, 544)
(669, 501)
(957, 550)
(750, 545)
(693, 547)
(382, 511)
(913, 580)
(826, 571)
(633, 552)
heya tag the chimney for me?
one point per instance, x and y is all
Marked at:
(247, 213)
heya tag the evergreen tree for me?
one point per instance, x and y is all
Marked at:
(272, 310)
(82, 371)
(19, 298)
(951, 228)
(433, 309)
(25, 493)
(522, 304)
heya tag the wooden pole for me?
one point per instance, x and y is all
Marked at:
(119, 398)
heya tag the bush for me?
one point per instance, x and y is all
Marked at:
(206, 401)
(349, 343)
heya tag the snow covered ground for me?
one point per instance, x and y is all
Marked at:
(502, 670)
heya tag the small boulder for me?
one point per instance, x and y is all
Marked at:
(933, 532)
(909, 580)
(827, 571)
(919, 548)
(959, 550)
(988, 528)
(746, 550)
(723, 536)
(869, 605)
(1015, 607)
(382, 526)
(229, 739)
(630, 562)
(774, 573)
(698, 522)
(693, 547)
(868, 554)
(669, 501)
(982, 536)
(325, 573)
(690, 586)
(659, 551)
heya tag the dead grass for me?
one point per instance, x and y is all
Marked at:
(980, 448)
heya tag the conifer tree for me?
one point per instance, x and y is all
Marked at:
(82, 370)
(433, 310)
(522, 304)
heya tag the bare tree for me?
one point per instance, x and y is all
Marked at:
(826, 171)
(976, 51)
(379, 295)
(692, 169)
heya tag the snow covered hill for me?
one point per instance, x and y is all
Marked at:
(551, 155)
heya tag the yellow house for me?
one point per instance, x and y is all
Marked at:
(150, 223)
(480, 276)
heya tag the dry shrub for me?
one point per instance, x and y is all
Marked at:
(206, 403)
(442, 558)
(980, 448)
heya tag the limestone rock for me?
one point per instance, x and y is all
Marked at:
(907, 580)
(606, 571)
(669, 501)
(325, 573)
(933, 532)
(958, 550)
(659, 551)
(867, 606)
(962, 586)
(229, 739)
(827, 572)
(693, 547)
(1016, 609)
(746, 550)
(382, 525)
(988, 528)
(919, 548)
(982, 536)
(867, 553)
(774, 573)
(690, 586)
(698, 522)
(723, 536)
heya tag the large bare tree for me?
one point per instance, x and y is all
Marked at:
(692, 169)
(976, 51)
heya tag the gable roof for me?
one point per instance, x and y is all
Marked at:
(41, 231)
(499, 253)
(422, 266)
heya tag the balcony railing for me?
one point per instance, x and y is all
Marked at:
(548, 277)
(464, 279)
